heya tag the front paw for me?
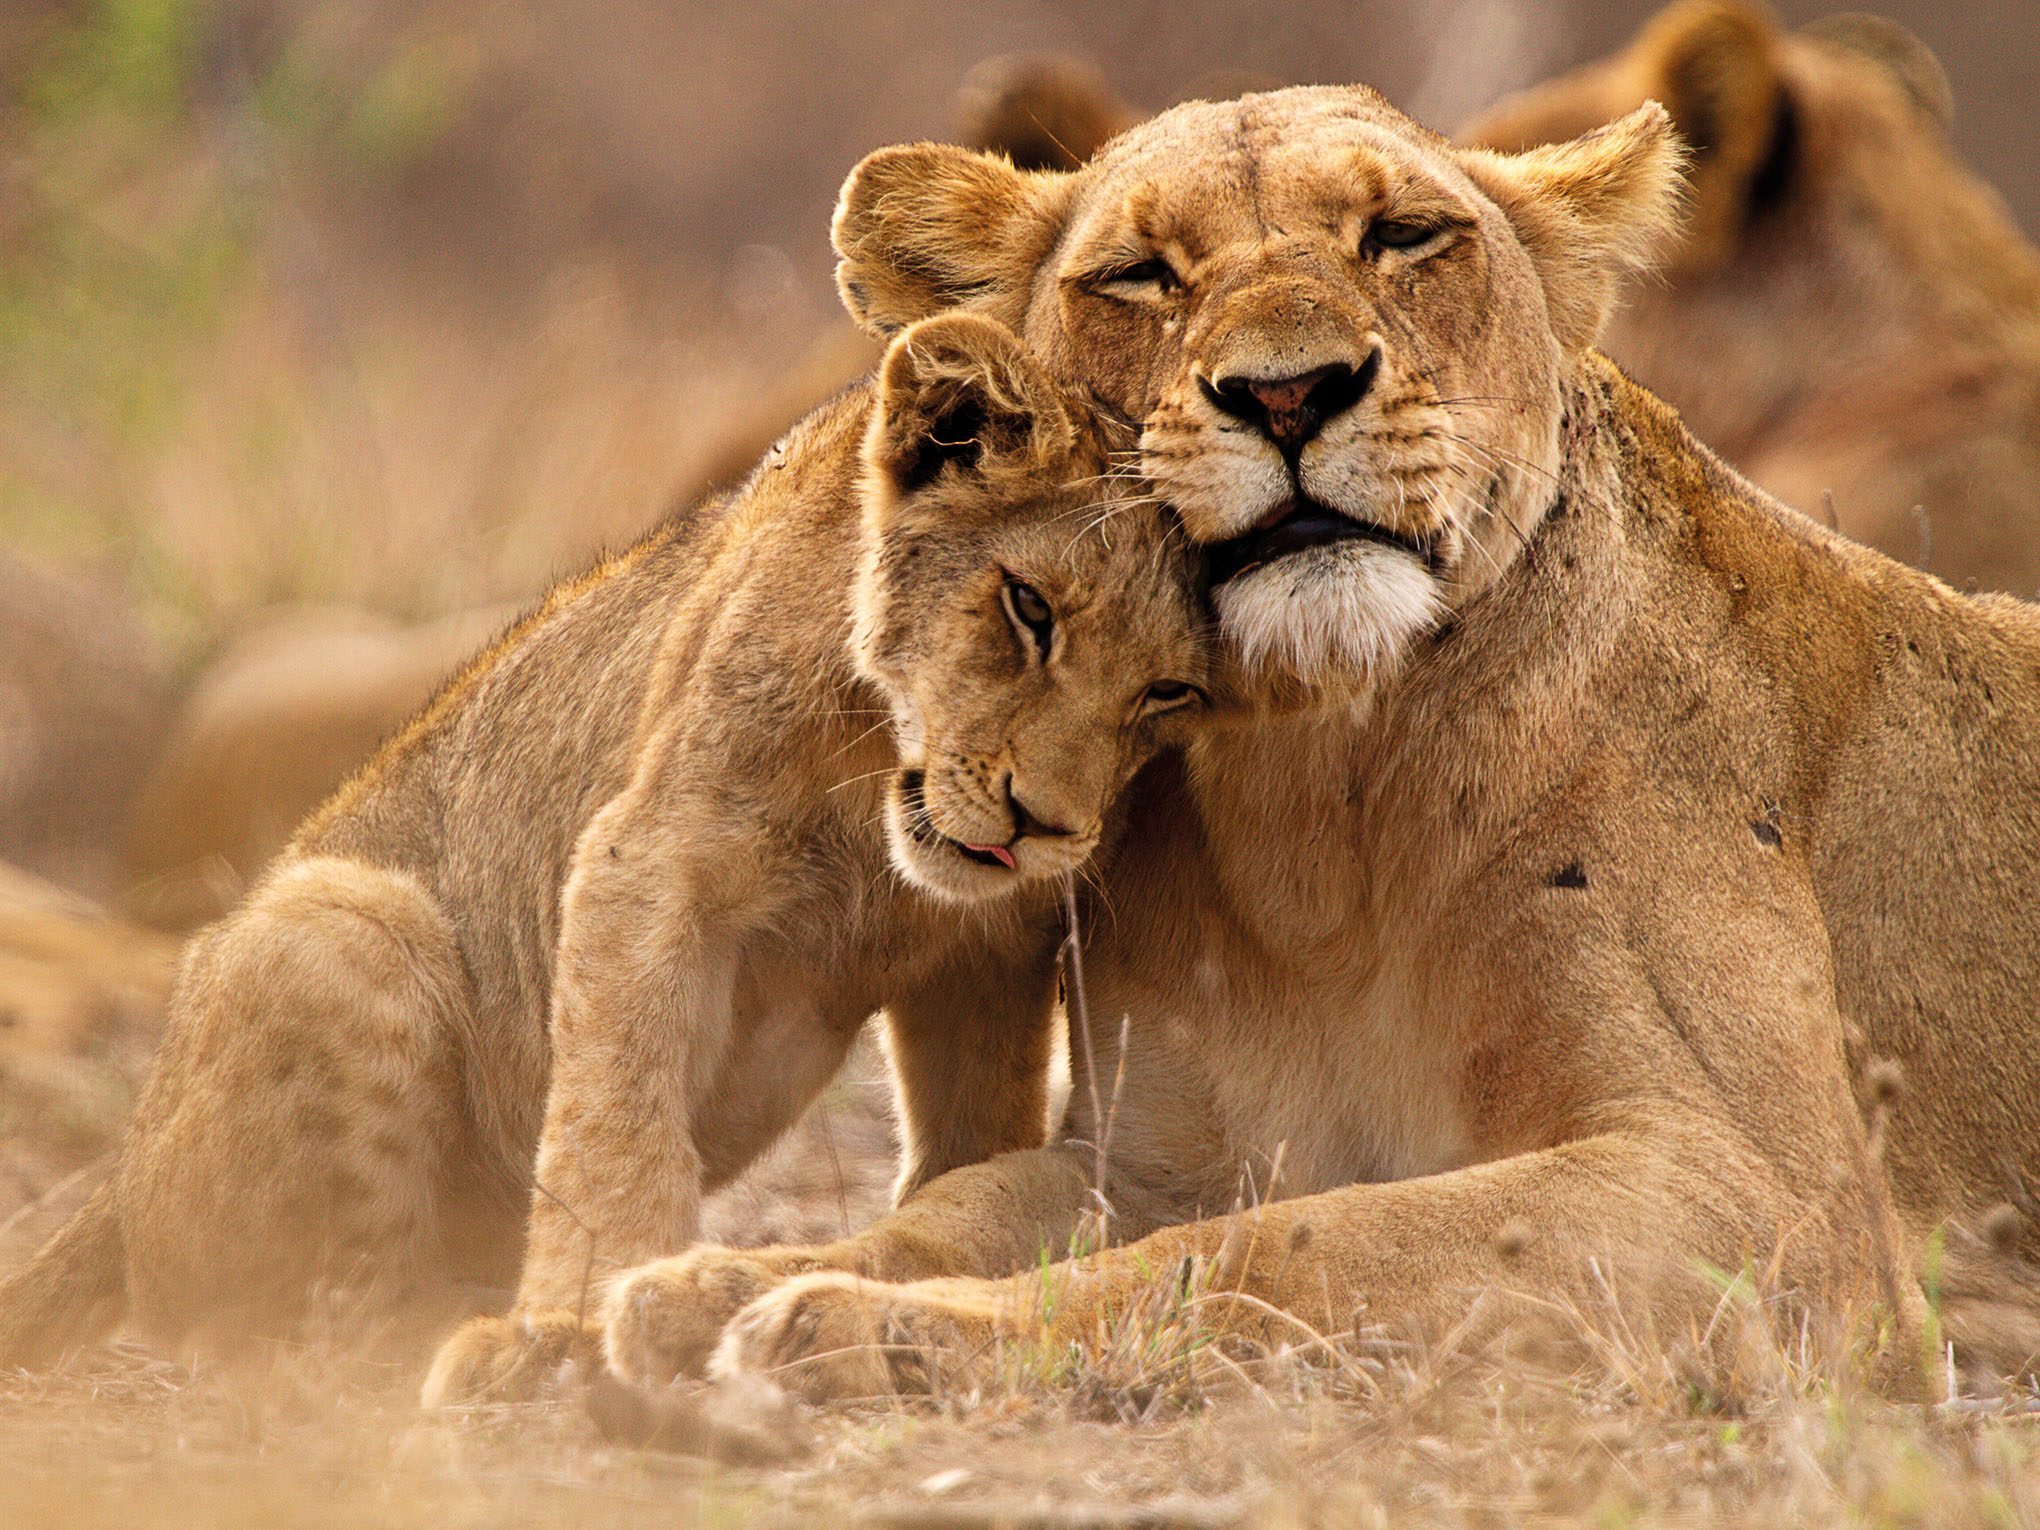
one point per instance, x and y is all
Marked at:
(511, 1359)
(661, 1320)
(829, 1337)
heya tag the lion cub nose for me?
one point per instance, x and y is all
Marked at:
(1290, 411)
(1025, 823)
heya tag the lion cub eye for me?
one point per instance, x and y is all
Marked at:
(1400, 234)
(1029, 614)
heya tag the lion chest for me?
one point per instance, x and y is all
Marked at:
(1247, 1070)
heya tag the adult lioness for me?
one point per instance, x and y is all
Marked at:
(1849, 310)
(622, 898)
(1622, 816)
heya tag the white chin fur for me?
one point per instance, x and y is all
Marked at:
(1350, 608)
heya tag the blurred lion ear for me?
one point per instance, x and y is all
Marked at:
(1714, 64)
(960, 388)
(927, 227)
(1908, 60)
(1042, 111)
(1588, 211)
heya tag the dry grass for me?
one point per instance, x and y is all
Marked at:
(1435, 1435)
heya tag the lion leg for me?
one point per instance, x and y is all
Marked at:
(643, 1022)
(970, 1087)
(971, 1081)
(1615, 1219)
(666, 1318)
(288, 1150)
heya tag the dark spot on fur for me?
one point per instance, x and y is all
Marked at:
(383, 1095)
(1571, 874)
(1765, 824)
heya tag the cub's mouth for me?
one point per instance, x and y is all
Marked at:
(921, 826)
(1297, 526)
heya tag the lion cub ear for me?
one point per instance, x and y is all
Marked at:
(1588, 211)
(926, 227)
(961, 388)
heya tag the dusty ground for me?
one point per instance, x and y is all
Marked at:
(414, 306)
(1419, 1439)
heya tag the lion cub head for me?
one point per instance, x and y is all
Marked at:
(1033, 616)
(1347, 340)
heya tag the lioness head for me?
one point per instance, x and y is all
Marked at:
(1345, 338)
(1033, 616)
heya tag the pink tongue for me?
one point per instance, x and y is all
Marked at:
(998, 853)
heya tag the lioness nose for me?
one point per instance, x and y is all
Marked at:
(1290, 411)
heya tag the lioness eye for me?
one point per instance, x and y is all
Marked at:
(1029, 613)
(1169, 693)
(1156, 272)
(1397, 234)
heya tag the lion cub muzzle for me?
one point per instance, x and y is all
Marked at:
(986, 824)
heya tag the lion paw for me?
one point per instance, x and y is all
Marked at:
(831, 1336)
(662, 1319)
(511, 1359)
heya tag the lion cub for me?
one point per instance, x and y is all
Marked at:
(620, 900)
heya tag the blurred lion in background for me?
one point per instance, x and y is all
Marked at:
(1852, 318)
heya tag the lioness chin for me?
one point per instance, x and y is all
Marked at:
(588, 936)
(1602, 821)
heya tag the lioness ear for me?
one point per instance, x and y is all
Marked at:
(960, 388)
(1715, 67)
(1588, 211)
(926, 227)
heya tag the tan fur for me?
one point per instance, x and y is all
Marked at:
(616, 904)
(1849, 311)
(70, 971)
(1848, 314)
(1533, 946)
